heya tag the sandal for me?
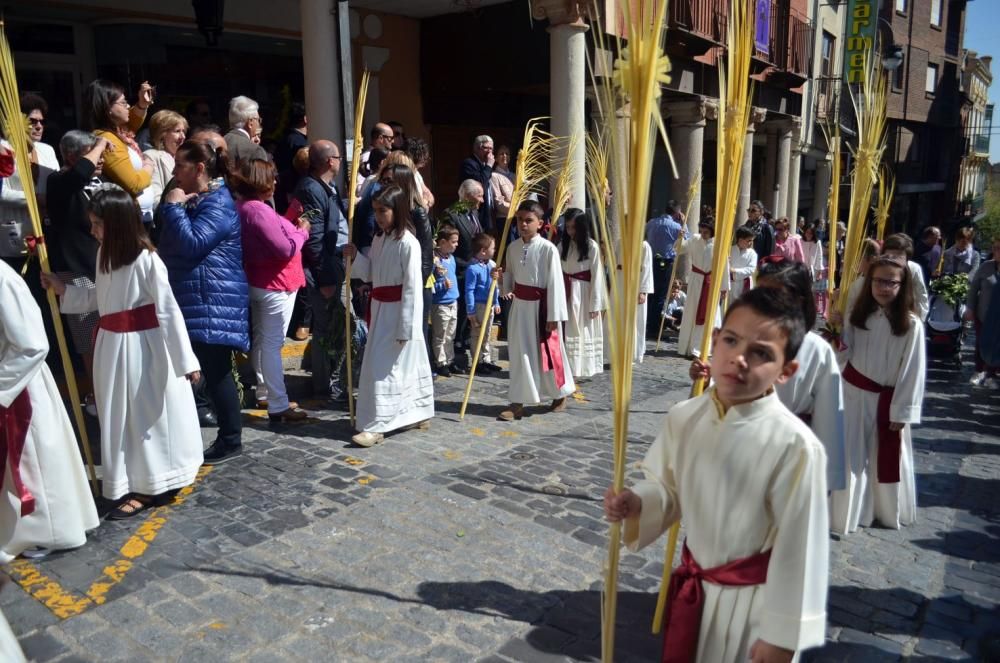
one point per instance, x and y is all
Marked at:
(132, 506)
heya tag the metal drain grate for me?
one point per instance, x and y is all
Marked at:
(522, 455)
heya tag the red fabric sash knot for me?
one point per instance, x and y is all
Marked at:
(568, 280)
(548, 340)
(130, 320)
(14, 423)
(686, 598)
(889, 441)
(32, 242)
(6, 163)
(706, 284)
(384, 293)
(746, 283)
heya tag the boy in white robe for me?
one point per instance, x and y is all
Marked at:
(742, 263)
(539, 367)
(899, 247)
(765, 525)
(46, 502)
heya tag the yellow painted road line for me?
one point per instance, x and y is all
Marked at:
(65, 604)
(296, 349)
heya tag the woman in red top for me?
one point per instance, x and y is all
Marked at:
(272, 248)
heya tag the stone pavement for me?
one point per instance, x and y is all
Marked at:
(478, 540)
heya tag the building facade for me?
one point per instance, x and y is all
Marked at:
(977, 120)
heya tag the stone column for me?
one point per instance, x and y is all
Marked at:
(321, 70)
(687, 137)
(768, 174)
(757, 116)
(783, 137)
(821, 189)
(794, 175)
(568, 82)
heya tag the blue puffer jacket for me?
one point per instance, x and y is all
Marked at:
(200, 245)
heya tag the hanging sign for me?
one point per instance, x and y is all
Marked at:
(862, 22)
(762, 26)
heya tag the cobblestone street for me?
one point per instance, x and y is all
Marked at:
(478, 540)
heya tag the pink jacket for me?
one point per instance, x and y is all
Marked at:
(272, 248)
(791, 249)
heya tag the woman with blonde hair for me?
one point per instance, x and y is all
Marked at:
(167, 131)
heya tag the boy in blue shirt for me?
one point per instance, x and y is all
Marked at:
(444, 313)
(478, 275)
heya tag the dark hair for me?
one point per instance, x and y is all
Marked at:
(481, 241)
(375, 158)
(98, 99)
(581, 225)
(898, 312)
(445, 231)
(779, 306)
(898, 242)
(745, 233)
(197, 152)
(396, 124)
(418, 149)
(793, 277)
(869, 248)
(31, 101)
(297, 115)
(708, 222)
(398, 201)
(403, 177)
(533, 207)
(254, 180)
(810, 228)
(124, 235)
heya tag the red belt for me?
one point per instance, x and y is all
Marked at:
(130, 320)
(746, 283)
(889, 441)
(14, 423)
(549, 340)
(384, 293)
(687, 597)
(699, 317)
(579, 276)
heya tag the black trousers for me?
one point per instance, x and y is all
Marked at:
(217, 373)
(661, 290)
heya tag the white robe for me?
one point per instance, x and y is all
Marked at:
(816, 389)
(51, 468)
(150, 437)
(699, 254)
(920, 297)
(887, 360)
(641, 313)
(742, 265)
(10, 649)
(813, 252)
(750, 480)
(534, 264)
(584, 335)
(396, 387)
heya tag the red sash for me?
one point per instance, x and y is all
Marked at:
(130, 320)
(889, 441)
(549, 340)
(699, 317)
(687, 597)
(14, 423)
(746, 283)
(384, 293)
(568, 280)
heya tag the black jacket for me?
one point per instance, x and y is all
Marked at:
(473, 169)
(466, 231)
(322, 254)
(425, 235)
(71, 246)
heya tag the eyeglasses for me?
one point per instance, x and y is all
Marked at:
(389, 136)
(336, 156)
(121, 102)
(753, 209)
(887, 284)
(36, 120)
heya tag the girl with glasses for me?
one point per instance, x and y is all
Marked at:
(883, 373)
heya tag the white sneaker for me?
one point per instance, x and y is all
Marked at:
(978, 379)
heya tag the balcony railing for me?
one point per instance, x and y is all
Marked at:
(981, 144)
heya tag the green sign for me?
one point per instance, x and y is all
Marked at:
(859, 37)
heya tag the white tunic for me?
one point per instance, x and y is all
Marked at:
(150, 437)
(584, 337)
(887, 360)
(816, 389)
(396, 387)
(920, 297)
(747, 481)
(742, 266)
(699, 254)
(813, 252)
(51, 468)
(645, 288)
(534, 264)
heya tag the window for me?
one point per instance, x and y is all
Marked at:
(829, 48)
(901, 5)
(932, 77)
(935, 12)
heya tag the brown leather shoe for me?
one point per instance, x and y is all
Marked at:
(515, 411)
(262, 405)
(301, 334)
(558, 405)
(288, 415)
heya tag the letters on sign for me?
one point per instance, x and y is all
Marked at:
(862, 23)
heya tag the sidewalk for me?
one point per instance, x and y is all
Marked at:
(478, 540)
